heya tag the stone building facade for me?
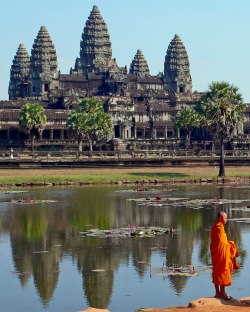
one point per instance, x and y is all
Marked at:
(142, 106)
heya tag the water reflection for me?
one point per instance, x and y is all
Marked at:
(43, 234)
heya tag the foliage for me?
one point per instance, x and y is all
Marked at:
(187, 119)
(32, 118)
(90, 122)
(222, 110)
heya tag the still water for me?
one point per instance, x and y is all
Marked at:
(47, 265)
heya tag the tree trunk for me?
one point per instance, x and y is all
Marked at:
(32, 139)
(187, 139)
(222, 159)
(79, 144)
(91, 145)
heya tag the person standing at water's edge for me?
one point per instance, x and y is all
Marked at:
(223, 253)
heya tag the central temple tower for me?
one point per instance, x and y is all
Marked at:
(176, 67)
(96, 52)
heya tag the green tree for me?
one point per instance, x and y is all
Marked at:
(90, 122)
(76, 122)
(187, 119)
(222, 110)
(32, 118)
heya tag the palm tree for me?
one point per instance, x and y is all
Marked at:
(222, 109)
(32, 118)
(187, 119)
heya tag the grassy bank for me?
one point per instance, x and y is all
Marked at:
(113, 175)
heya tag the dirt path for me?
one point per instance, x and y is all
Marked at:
(197, 171)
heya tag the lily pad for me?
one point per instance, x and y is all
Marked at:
(187, 271)
(131, 231)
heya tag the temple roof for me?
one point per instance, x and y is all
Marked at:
(164, 123)
(4, 104)
(77, 77)
(43, 53)
(161, 123)
(157, 106)
(161, 107)
(144, 79)
(9, 115)
(139, 65)
(57, 114)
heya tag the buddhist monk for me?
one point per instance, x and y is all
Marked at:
(223, 253)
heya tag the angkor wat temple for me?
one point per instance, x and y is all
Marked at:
(142, 106)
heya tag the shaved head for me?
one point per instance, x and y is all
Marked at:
(221, 214)
(222, 217)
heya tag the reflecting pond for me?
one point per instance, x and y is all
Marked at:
(48, 264)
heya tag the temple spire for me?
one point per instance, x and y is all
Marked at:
(139, 65)
(95, 52)
(20, 74)
(43, 62)
(177, 68)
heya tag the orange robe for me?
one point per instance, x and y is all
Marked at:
(223, 254)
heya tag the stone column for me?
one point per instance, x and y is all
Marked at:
(166, 132)
(213, 150)
(144, 133)
(173, 133)
(153, 133)
(127, 132)
(40, 132)
(122, 131)
(135, 134)
(178, 133)
(51, 135)
(62, 134)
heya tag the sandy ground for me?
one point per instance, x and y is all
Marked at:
(190, 171)
(209, 305)
(200, 305)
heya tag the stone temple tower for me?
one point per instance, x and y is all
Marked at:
(177, 68)
(20, 74)
(43, 65)
(96, 52)
(139, 65)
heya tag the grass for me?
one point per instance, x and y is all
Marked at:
(111, 175)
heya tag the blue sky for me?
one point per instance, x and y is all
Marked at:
(216, 34)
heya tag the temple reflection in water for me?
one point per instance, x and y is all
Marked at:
(42, 236)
